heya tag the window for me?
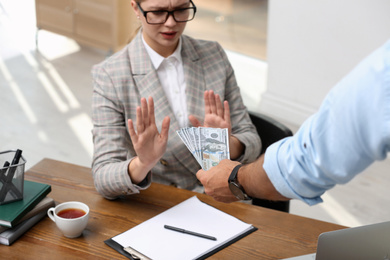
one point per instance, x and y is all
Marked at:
(238, 25)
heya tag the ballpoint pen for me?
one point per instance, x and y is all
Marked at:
(189, 232)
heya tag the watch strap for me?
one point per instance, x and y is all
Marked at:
(233, 182)
(233, 174)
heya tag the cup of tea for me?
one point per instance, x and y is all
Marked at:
(70, 217)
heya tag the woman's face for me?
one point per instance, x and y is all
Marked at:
(163, 38)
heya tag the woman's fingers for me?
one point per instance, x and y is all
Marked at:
(139, 123)
(212, 104)
(207, 109)
(133, 134)
(145, 118)
(227, 114)
(152, 120)
(145, 112)
(165, 128)
(219, 107)
(194, 121)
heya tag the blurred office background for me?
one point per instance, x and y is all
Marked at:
(286, 55)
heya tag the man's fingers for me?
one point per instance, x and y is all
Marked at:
(200, 174)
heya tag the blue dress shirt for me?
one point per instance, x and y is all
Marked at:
(349, 132)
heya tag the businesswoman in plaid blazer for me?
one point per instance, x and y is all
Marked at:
(160, 82)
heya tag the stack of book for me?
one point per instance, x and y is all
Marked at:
(19, 216)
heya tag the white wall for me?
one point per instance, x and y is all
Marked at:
(312, 44)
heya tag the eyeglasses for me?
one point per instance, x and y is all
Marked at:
(181, 15)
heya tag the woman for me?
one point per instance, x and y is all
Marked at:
(174, 72)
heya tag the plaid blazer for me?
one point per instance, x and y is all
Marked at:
(120, 82)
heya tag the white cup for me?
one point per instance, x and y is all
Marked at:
(70, 227)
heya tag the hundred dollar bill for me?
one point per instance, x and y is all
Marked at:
(191, 146)
(197, 144)
(183, 136)
(194, 138)
(208, 145)
(214, 143)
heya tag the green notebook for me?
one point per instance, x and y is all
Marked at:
(33, 193)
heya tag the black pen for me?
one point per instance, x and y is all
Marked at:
(189, 232)
(17, 156)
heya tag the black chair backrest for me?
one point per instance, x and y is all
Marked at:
(270, 131)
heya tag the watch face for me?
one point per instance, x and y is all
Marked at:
(236, 191)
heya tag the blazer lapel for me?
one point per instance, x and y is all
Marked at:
(148, 84)
(194, 77)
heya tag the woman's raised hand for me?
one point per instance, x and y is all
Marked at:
(217, 115)
(148, 143)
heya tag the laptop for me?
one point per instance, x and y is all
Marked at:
(369, 242)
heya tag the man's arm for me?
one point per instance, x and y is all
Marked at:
(349, 132)
(251, 176)
(256, 183)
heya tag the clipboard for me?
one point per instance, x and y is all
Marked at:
(126, 251)
(114, 245)
(191, 206)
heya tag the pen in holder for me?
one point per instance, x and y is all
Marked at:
(11, 176)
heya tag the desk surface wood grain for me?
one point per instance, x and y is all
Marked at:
(279, 234)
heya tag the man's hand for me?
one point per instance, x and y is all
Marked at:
(215, 181)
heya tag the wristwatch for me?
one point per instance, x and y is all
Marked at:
(235, 186)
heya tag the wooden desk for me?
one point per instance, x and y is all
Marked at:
(280, 235)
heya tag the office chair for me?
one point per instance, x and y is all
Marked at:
(270, 131)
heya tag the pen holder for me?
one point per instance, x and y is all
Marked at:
(11, 177)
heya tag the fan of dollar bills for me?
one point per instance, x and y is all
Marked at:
(208, 145)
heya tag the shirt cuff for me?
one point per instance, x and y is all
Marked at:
(277, 177)
(145, 183)
(129, 187)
